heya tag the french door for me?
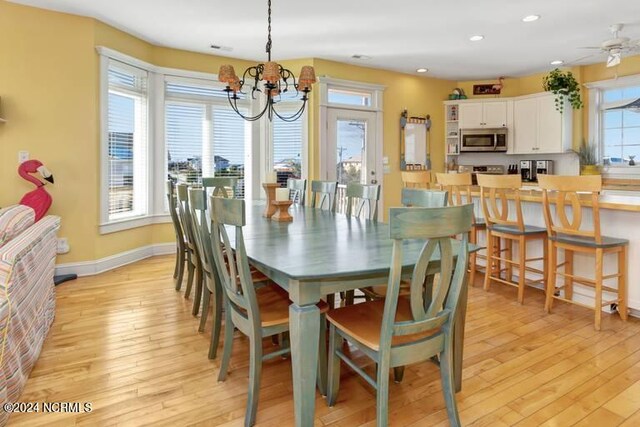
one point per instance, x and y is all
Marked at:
(351, 152)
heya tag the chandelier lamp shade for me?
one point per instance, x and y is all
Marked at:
(269, 79)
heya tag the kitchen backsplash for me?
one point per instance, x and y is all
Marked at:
(563, 164)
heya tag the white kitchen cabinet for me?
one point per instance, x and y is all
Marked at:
(538, 128)
(478, 115)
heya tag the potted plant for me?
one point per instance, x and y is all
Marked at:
(588, 159)
(563, 85)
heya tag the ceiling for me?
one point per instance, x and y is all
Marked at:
(400, 35)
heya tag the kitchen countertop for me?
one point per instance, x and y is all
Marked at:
(619, 202)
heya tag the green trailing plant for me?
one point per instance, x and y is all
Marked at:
(587, 154)
(563, 85)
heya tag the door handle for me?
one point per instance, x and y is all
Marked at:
(374, 181)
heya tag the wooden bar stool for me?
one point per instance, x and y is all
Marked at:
(567, 234)
(458, 185)
(416, 179)
(499, 226)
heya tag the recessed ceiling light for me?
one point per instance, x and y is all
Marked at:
(422, 70)
(557, 62)
(530, 18)
(476, 38)
(361, 57)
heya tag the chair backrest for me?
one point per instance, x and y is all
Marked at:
(416, 179)
(234, 274)
(437, 311)
(173, 211)
(424, 198)
(200, 227)
(222, 186)
(563, 190)
(458, 185)
(361, 196)
(326, 192)
(494, 188)
(297, 190)
(185, 213)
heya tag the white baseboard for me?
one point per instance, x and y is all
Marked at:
(89, 268)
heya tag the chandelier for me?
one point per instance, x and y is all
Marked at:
(271, 79)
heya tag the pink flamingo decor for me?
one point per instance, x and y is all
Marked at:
(39, 200)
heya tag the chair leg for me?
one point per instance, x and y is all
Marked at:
(255, 373)
(227, 347)
(349, 297)
(568, 268)
(217, 323)
(206, 299)
(322, 357)
(598, 279)
(446, 375)
(508, 254)
(489, 261)
(335, 343)
(181, 261)
(622, 283)
(472, 258)
(382, 395)
(197, 295)
(191, 269)
(331, 300)
(551, 280)
(175, 268)
(522, 270)
(398, 374)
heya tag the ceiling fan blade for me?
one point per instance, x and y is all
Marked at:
(590, 47)
(577, 61)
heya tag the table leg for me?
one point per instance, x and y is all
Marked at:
(458, 335)
(304, 325)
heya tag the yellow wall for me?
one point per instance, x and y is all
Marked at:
(49, 84)
(419, 95)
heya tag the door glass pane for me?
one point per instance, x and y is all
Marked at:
(350, 146)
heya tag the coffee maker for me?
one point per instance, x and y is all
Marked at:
(528, 170)
(544, 167)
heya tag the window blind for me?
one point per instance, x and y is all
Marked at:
(127, 141)
(204, 136)
(287, 149)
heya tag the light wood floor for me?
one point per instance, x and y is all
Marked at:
(126, 342)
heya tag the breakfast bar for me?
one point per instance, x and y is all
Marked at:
(619, 217)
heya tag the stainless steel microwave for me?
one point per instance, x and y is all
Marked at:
(480, 140)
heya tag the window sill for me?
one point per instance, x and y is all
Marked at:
(621, 171)
(135, 222)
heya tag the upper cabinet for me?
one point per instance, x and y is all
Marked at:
(538, 127)
(478, 115)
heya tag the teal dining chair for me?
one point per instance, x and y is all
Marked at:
(363, 199)
(194, 270)
(297, 189)
(411, 197)
(181, 248)
(211, 289)
(221, 186)
(257, 312)
(324, 192)
(398, 331)
(423, 198)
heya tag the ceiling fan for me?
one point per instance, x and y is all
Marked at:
(617, 45)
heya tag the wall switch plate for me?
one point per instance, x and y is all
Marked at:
(23, 156)
(63, 245)
(385, 160)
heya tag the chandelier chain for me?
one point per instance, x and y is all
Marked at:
(269, 30)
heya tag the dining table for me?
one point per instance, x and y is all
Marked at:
(321, 253)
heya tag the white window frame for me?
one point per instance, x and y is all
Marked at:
(596, 128)
(156, 168)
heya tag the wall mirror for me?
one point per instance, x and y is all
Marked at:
(414, 142)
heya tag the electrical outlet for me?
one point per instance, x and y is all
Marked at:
(63, 245)
(23, 156)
